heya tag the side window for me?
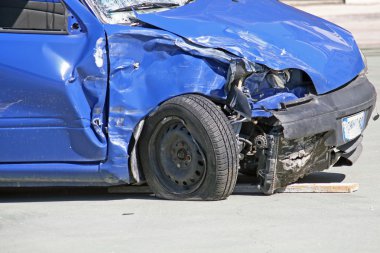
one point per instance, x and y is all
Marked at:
(33, 16)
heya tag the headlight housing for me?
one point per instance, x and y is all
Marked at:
(269, 82)
(278, 79)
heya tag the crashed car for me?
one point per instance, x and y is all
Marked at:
(180, 94)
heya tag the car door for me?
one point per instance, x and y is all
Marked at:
(53, 82)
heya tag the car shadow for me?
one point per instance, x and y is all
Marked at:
(316, 177)
(53, 194)
(248, 185)
(323, 177)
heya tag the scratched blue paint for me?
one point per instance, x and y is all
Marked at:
(158, 69)
(271, 33)
(70, 103)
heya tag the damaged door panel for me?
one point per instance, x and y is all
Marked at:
(180, 94)
(52, 90)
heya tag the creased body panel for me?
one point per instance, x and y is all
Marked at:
(147, 67)
(270, 33)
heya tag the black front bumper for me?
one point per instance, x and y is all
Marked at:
(324, 113)
(309, 137)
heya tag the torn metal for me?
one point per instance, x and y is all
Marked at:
(224, 66)
(192, 68)
(306, 136)
(289, 160)
(275, 40)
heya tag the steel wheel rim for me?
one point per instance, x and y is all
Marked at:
(180, 164)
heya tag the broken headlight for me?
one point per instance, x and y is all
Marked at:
(268, 82)
(278, 79)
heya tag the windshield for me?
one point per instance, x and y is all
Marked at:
(122, 11)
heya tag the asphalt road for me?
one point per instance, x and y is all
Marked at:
(83, 221)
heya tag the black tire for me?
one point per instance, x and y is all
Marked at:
(188, 150)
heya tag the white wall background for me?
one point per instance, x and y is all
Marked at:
(362, 1)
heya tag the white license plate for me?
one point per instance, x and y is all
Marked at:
(353, 126)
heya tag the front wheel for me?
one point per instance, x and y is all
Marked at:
(188, 150)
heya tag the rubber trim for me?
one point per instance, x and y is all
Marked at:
(324, 113)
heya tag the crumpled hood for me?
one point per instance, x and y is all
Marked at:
(270, 33)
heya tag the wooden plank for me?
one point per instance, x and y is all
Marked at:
(321, 188)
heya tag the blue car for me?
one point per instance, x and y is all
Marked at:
(180, 94)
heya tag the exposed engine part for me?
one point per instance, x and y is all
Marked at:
(247, 167)
(236, 121)
(252, 152)
(248, 146)
(261, 141)
(278, 79)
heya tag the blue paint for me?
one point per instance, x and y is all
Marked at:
(270, 33)
(157, 70)
(70, 103)
(51, 92)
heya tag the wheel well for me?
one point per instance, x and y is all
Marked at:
(132, 145)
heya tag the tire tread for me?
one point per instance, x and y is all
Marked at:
(223, 140)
